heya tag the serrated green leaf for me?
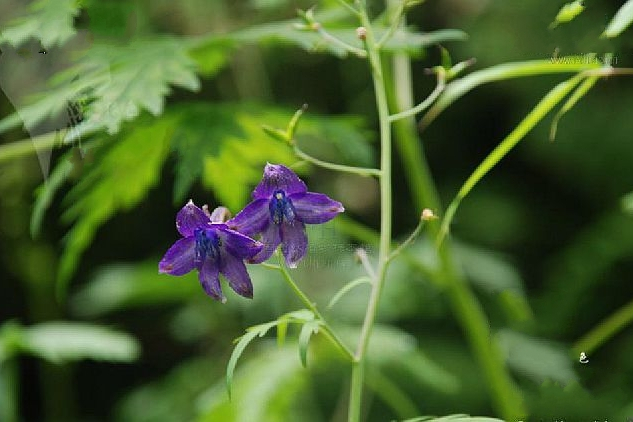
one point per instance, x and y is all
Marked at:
(309, 328)
(119, 180)
(348, 287)
(50, 21)
(621, 20)
(68, 341)
(225, 142)
(117, 83)
(140, 77)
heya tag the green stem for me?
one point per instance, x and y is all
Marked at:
(395, 24)
(8, 390)
(409, 239)
(345, 46)
(356, 387)
(327, 330)
(336, 167)
(605, 330)
(29, 146)
(410, 112)
(465, 306)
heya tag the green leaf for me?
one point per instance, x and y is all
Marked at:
(270, 387)
(251, 334)
(348, 287)
(461, 86)
(116, 83)
(123, 286)
(119, 180)
(568, 12)
(309, 328)
(286, 32)
(210, 54)
(621, 20)
(46, 192)
(536, 358)
(68, 341)
(453, 418)
(282, 328)
(580, 92)
(140, 77)
(224, 142)
(488, 270)
(50, 21)
(627, 203)
(391, 393)
(553, 97)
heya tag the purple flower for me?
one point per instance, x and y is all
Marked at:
(280, 209)
(213, 249)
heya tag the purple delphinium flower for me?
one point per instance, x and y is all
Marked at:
(280, 209)
(209, 246)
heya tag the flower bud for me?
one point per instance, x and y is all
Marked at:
(427, 215)
(361, 33)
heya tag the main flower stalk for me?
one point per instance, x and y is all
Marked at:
(356, 389)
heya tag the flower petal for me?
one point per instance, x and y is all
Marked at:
(270, 239)
(210, 280)
(179, 259)
(189, 218)
(252, 219)
(315, 208)
(294, 242)
(235, 272)
(220, 215)
(239, 245)
(278, 177)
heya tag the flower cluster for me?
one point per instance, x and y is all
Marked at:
(280, 209)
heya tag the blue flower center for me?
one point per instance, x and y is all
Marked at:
(207, 245)
(281, 208)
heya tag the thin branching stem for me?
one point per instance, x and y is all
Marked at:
(336, 167)
(345, 46)
(327, 329)
(407, 242)
(428, 101)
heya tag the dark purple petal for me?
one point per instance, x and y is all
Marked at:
(220, 215)
(278, 177)
(252, 219)
(239, 245)
(315, 208)
(210, 280)
(179, 259)
(294, 242)
(271, 239)
(189, 218)
(235, 272)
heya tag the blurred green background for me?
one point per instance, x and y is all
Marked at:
(546, 238)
